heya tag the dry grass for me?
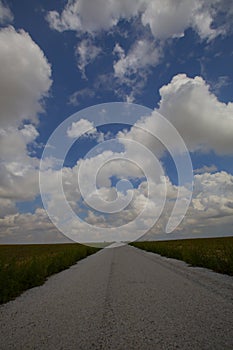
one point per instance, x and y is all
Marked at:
(26, 266)
(213, 253)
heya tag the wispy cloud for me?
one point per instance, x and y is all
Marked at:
(206, 169)
(6, 16)
(76, 98)
(86, 52)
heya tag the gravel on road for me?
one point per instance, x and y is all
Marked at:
(123, 298)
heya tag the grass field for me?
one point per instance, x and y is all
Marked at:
(26, 266)
(213, 253)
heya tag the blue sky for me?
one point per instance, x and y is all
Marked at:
(59, 57)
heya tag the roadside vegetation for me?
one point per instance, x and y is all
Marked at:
(27, 266)
(213, 253)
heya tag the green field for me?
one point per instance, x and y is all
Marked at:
(26, 266)
(213, 253)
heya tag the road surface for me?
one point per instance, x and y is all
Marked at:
(123, 298)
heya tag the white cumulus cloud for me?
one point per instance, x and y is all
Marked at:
(89, 16)
(203, 121)
(82, 127)
(165, 18)
(25, 77)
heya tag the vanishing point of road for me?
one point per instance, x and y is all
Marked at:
(123, 298)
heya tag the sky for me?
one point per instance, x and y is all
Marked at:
(116, 117)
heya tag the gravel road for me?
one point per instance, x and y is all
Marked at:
(123, 298)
